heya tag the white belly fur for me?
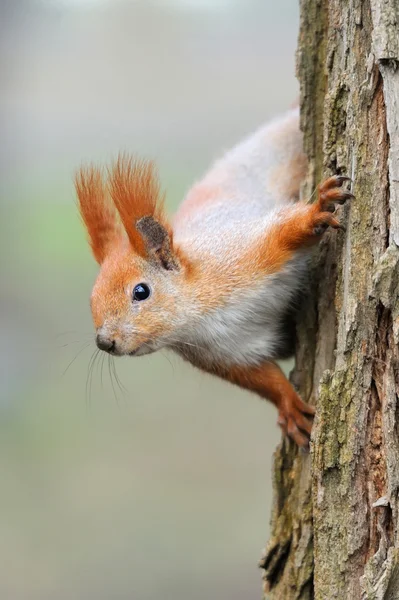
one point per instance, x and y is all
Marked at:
(247, 329)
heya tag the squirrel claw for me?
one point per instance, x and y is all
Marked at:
(340, 179)
(334, 181)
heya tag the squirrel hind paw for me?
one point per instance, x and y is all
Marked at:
(295, 419)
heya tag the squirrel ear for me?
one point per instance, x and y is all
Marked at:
(97, 212)
(158, 241)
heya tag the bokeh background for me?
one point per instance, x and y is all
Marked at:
(163, 490)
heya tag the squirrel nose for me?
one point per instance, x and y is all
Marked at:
(105, 344)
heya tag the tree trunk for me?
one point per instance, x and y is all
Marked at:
(335, 521)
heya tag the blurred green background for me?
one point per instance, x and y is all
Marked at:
(163, 491)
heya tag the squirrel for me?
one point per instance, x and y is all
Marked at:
(217, 283)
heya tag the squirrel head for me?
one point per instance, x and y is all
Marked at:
(137, 301)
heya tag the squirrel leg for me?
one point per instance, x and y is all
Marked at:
(268, 380)
(299, 226)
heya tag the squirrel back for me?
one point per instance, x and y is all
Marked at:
(253, 180)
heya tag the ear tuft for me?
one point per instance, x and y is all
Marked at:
(97, 212)
(135, 190)
(158, 242)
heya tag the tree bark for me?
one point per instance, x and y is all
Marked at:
(335, 520)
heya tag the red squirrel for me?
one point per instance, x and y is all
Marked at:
(216, 284)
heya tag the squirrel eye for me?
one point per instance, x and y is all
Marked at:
(141, 291)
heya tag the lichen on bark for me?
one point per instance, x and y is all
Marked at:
(335, 520)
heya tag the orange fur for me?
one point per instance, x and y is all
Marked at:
(300, 227)
(97, 212)
(269, 381)
(117, 271)
(111, 300)
(135, 190)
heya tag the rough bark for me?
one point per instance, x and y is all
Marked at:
(335, 521)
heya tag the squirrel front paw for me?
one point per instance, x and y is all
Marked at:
(295, 419)
(330, 193)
